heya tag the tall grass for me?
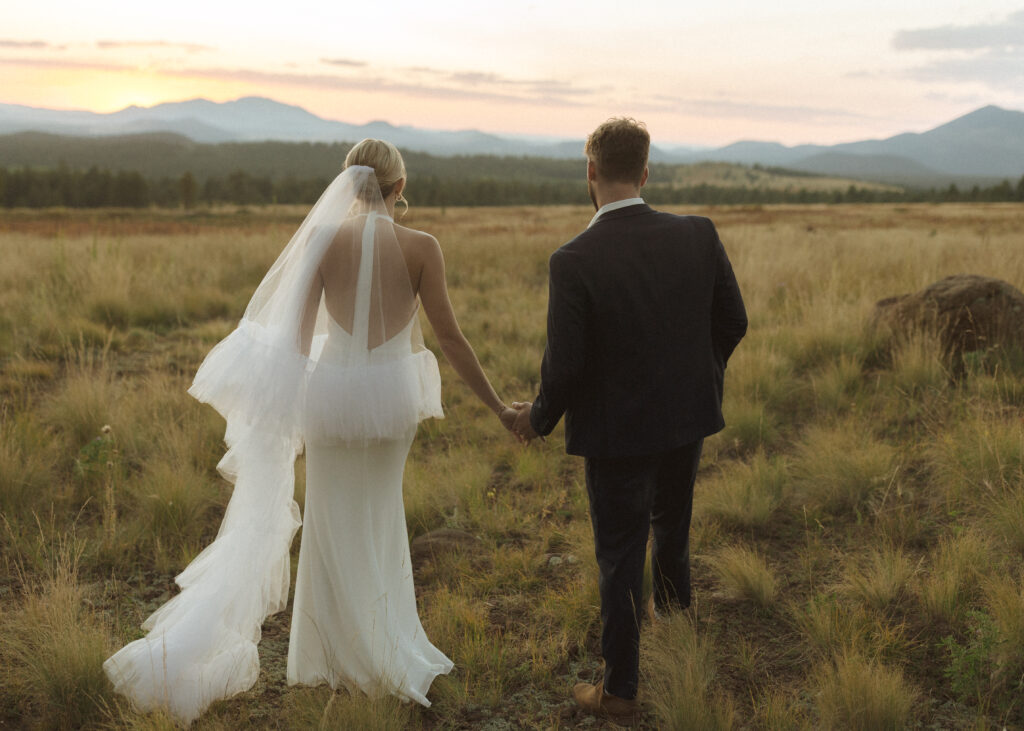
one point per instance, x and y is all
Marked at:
(883, 499)
(745, 574)
(881, 578)
(54, 647)
(681, 680)
(323, 709)
(953, 582)
(747, 494)
(855, 693)
(1005, 601)
(839, 468)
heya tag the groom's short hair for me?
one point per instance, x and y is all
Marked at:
(619, 149)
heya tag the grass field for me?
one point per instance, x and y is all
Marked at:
(858, 530)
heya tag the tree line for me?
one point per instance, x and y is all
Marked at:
(26, 187)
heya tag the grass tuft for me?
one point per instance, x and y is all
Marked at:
(881, 579)
(855, 693)
(53, 648)
(747, 495)
(746, 575)
(681, 680)
(322, 708)
(838, 469)
(948, 589)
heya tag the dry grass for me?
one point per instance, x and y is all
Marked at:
(839, 468)
(747, 494)
(745, 574)
(953, 581)
(884, 501)
(859, 694)
(54, 647)
(322, 709)
(881, 579)
(829, 626)
(681, 680)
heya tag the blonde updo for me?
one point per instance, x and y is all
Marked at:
(386, 161)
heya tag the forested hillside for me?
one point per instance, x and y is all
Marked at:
(41, 170)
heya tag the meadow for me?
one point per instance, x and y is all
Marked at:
(858, 532)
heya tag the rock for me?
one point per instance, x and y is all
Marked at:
(968, 312)
(440, 541)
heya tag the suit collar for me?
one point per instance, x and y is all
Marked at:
(630, 209)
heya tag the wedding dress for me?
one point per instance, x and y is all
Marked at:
(292, 375)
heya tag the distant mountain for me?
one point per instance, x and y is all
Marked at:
(883, 168)
(256, 119)
(983, 146)
(987, 143)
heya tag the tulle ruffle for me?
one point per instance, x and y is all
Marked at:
(283, 390)
(373, 401)
(201, 645)
(255, 376)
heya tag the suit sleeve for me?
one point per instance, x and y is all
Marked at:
(564, 354)
(728, 315)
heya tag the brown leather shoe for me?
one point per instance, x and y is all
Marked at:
(593, 699)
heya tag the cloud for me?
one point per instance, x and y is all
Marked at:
(62, 63)
(1008, 34)
(473, 88)
(716, 108)
(10, 43)
(190, 47)
(987, 53)
(343, 62)
(428, 83)
(1001, 69)
(549, 88)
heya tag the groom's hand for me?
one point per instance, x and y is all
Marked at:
(508, 418)
(522, 427)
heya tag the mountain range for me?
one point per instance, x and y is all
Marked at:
(984, 145)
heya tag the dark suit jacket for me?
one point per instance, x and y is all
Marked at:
(643, 313)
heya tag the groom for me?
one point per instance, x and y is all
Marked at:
(643, 314)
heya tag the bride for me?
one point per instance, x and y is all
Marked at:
(328, 356)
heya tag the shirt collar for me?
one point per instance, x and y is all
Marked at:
(614, 206)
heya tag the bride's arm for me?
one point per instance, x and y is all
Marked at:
(433, 291)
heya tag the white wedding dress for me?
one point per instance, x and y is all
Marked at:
(354, 619)
(353, 397)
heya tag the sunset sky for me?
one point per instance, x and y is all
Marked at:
(800, 71)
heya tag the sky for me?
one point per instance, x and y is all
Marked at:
(697, 73)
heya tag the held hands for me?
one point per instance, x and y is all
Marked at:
(517, 420)
(508, 416)
(521, 427)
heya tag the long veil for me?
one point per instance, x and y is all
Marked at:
(264, 378)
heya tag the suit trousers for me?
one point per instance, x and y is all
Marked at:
(628, 497)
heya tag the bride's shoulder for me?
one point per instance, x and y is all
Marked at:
(415, 237)
(406, 231)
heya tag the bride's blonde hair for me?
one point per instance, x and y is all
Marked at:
(386, 161)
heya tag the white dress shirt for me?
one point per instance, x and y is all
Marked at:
(614, 206)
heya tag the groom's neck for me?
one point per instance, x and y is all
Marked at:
(611, 192)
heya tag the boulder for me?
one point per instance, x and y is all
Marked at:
(968, 312)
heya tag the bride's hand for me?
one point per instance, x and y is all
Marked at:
(508, 417)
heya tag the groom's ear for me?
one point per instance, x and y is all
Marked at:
(643, 178)
(591, 170)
